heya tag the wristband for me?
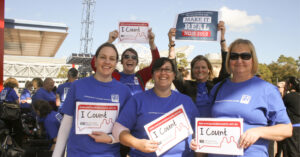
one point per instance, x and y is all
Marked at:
(113, 139)
(223, 40)
(171, 45)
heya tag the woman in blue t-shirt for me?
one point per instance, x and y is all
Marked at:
(98, 88)
(8, 94)
(246, 96)
(147, 106)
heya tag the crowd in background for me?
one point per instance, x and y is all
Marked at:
(270, 113)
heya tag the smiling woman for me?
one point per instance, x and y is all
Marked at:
(147, 106)
(98, 89)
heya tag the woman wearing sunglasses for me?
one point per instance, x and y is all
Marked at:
(202, 74)
(136, 81)
(246, 96)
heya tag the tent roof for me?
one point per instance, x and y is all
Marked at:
(33, 38)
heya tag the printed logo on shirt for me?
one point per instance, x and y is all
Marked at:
(66, 89)
(59, 117)
(115, 98)
(161, 113)
(136, 81)
(245, 99)
(3, 94)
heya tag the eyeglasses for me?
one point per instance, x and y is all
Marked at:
(243, 56)
(132, 57)
(167, 70)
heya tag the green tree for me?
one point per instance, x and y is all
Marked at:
(182, 61)
(265, 72)
(283, 68)
(63, 72)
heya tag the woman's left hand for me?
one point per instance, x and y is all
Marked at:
(249, 137)
(100, 137)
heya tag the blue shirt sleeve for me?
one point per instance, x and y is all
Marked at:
(128, 114)
(276, 110)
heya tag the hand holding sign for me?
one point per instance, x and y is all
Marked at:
(100, 137)
(113, 36)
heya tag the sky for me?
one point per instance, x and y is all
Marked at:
(273, 26)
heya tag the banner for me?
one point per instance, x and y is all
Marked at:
(133, 32)
(169, 129)
(197, 25)
(95, 117)
(219, 135)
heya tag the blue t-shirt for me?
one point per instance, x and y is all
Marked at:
(52, 123)
(9, 95)
(132, 82)
(24, 95)
(62, 91)
(145, 107)
(202, 100)
(43, 94)
(258, 102)
(91, 90)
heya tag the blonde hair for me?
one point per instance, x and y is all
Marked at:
(252, 51)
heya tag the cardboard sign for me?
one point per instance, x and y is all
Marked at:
(133, 32)
(95, 117)
(219, 136)
(169, 129)
(197, 25)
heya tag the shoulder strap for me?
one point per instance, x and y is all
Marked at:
(217, 90)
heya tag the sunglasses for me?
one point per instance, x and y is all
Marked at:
(243, 56)
(132, 57)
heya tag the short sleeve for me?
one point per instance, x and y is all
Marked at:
(128, 115)
(276, 110)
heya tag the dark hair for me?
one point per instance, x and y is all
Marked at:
(107, 45)
(209, 66)
(43, 107)
(293, 83)
(38, 80)
(160, 62)
(73, 72)
(132, 51)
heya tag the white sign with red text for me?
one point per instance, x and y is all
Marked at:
(92, 116)
(133, 32)
(219, 135)
(169, 129)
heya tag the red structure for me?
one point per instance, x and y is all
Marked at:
(1, 42)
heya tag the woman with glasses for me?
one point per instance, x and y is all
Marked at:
(136, 81)
(201, 73)
(98, 88)
(246, 96)
(147, 106)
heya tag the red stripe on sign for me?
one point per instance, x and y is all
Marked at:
(219, 123)
(196, 33)
(164, 120)
(133, 24)
(97, 107)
